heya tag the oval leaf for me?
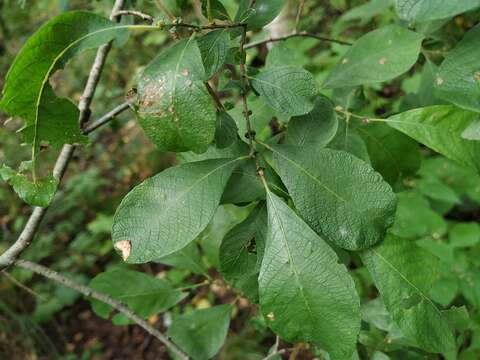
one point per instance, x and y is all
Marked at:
(242, 248)
(226, 131)
(47, 117)
(169, 210)
(348, 139)
(305, 294)
(258, 13)
(458, 79)
(214, 9)
(380, 55)
(427, 10)
(392, 154)
(404, 274)
(339, 196)
(201, 333)
(144, 294)
(174, 107)
(290, 90)
(440, 128)
(317, 127)
(214, 48)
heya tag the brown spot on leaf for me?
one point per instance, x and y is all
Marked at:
(382, 61)
(185, 72)
(270, 316)
(125, 248)
(344, 61)
(477, 76)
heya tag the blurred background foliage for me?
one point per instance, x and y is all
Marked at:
(439, 202)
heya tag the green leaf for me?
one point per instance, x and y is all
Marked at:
(349, 140)
(188, 258)
(214, 48)
(317, 127)
(338, 195)
(463, 235)
(244, 185)
(225, 218)
(472, 131)
(169, 210)
(27, 92)
(435, 189)
(38, 193)
(375, 313)
(293, 51)
(262, 114)
(440, 127)
(174, 107)
(226, 131)
(458, 318)
(392, 154)
(216, 8)
(305, 294)
(415, 218)
(367, 11)
(404, 274)
(440, 248)
(260, 13)
(290, 90)
(460, 178)
(427, 10)
(458, 79)
(422, 93)
(144, 294)
(378, 56)
(201, 333)
(242, 248)
(444, 290)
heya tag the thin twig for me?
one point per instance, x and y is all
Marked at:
(206, 27)
(38, 213)
(89, 292)
(274, 354)
(246, 111)
(96, 70)
(135, 13)
(243, 85)
(299, 14)
(21, 286)
(297, 34)
(107, 117)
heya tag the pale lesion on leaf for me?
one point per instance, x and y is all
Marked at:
(125, 248)
(151, 95)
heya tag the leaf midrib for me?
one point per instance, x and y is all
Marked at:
(425, 297)
(305, 171)
(290, 257)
